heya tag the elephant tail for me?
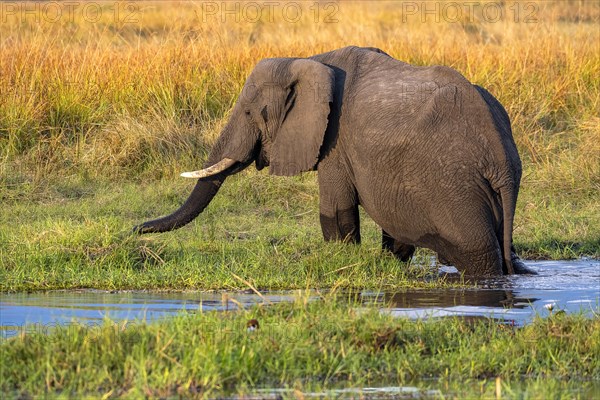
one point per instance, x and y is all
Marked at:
(508, 198)
(507, 182)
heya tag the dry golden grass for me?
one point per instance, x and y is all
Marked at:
(125, 92)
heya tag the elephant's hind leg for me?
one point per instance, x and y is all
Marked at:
(482, 259)
(402, 251)
(519, 265)
(468, 238)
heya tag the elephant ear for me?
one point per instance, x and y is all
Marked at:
(305, 114)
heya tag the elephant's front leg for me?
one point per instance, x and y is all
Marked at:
(402, 251)
(338, 207)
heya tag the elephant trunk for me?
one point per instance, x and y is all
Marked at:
(197, 201)
(200, 197)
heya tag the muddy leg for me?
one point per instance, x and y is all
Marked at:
(402, 251)
(339, 215)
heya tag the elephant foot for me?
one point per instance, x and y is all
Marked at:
(520, 267)
(404, 252)
(442, 260)
(401, 251)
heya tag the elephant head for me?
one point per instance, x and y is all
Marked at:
(279, 121)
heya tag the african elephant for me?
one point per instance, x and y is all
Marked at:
(428, 155)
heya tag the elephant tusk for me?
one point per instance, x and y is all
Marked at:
(210, 171)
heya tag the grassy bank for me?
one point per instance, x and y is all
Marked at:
(261, 229)
(98, 115)
(305, 346)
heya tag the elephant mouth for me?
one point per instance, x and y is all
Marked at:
(261, 159)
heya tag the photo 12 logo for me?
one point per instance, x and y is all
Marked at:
(68, 11)
(268, 11)
(468, 11)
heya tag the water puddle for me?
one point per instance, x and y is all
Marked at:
(382, 392)
(41, 311)
(569, 286)
(560, 286)
(440, 389)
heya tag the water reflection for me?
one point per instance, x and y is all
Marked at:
(449, 297)
(571, 286)
(91, 307)
(441, 388)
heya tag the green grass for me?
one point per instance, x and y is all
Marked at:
(261, 229)
(76, 234)
(307, 346)
(557, 225)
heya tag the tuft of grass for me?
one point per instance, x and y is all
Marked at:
(303, 346)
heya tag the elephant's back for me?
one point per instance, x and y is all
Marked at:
(431, 115)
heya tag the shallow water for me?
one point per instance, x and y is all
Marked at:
(570, 286)
(441, 388)
(40, 311)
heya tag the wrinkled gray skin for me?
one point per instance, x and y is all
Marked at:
(429, 156)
